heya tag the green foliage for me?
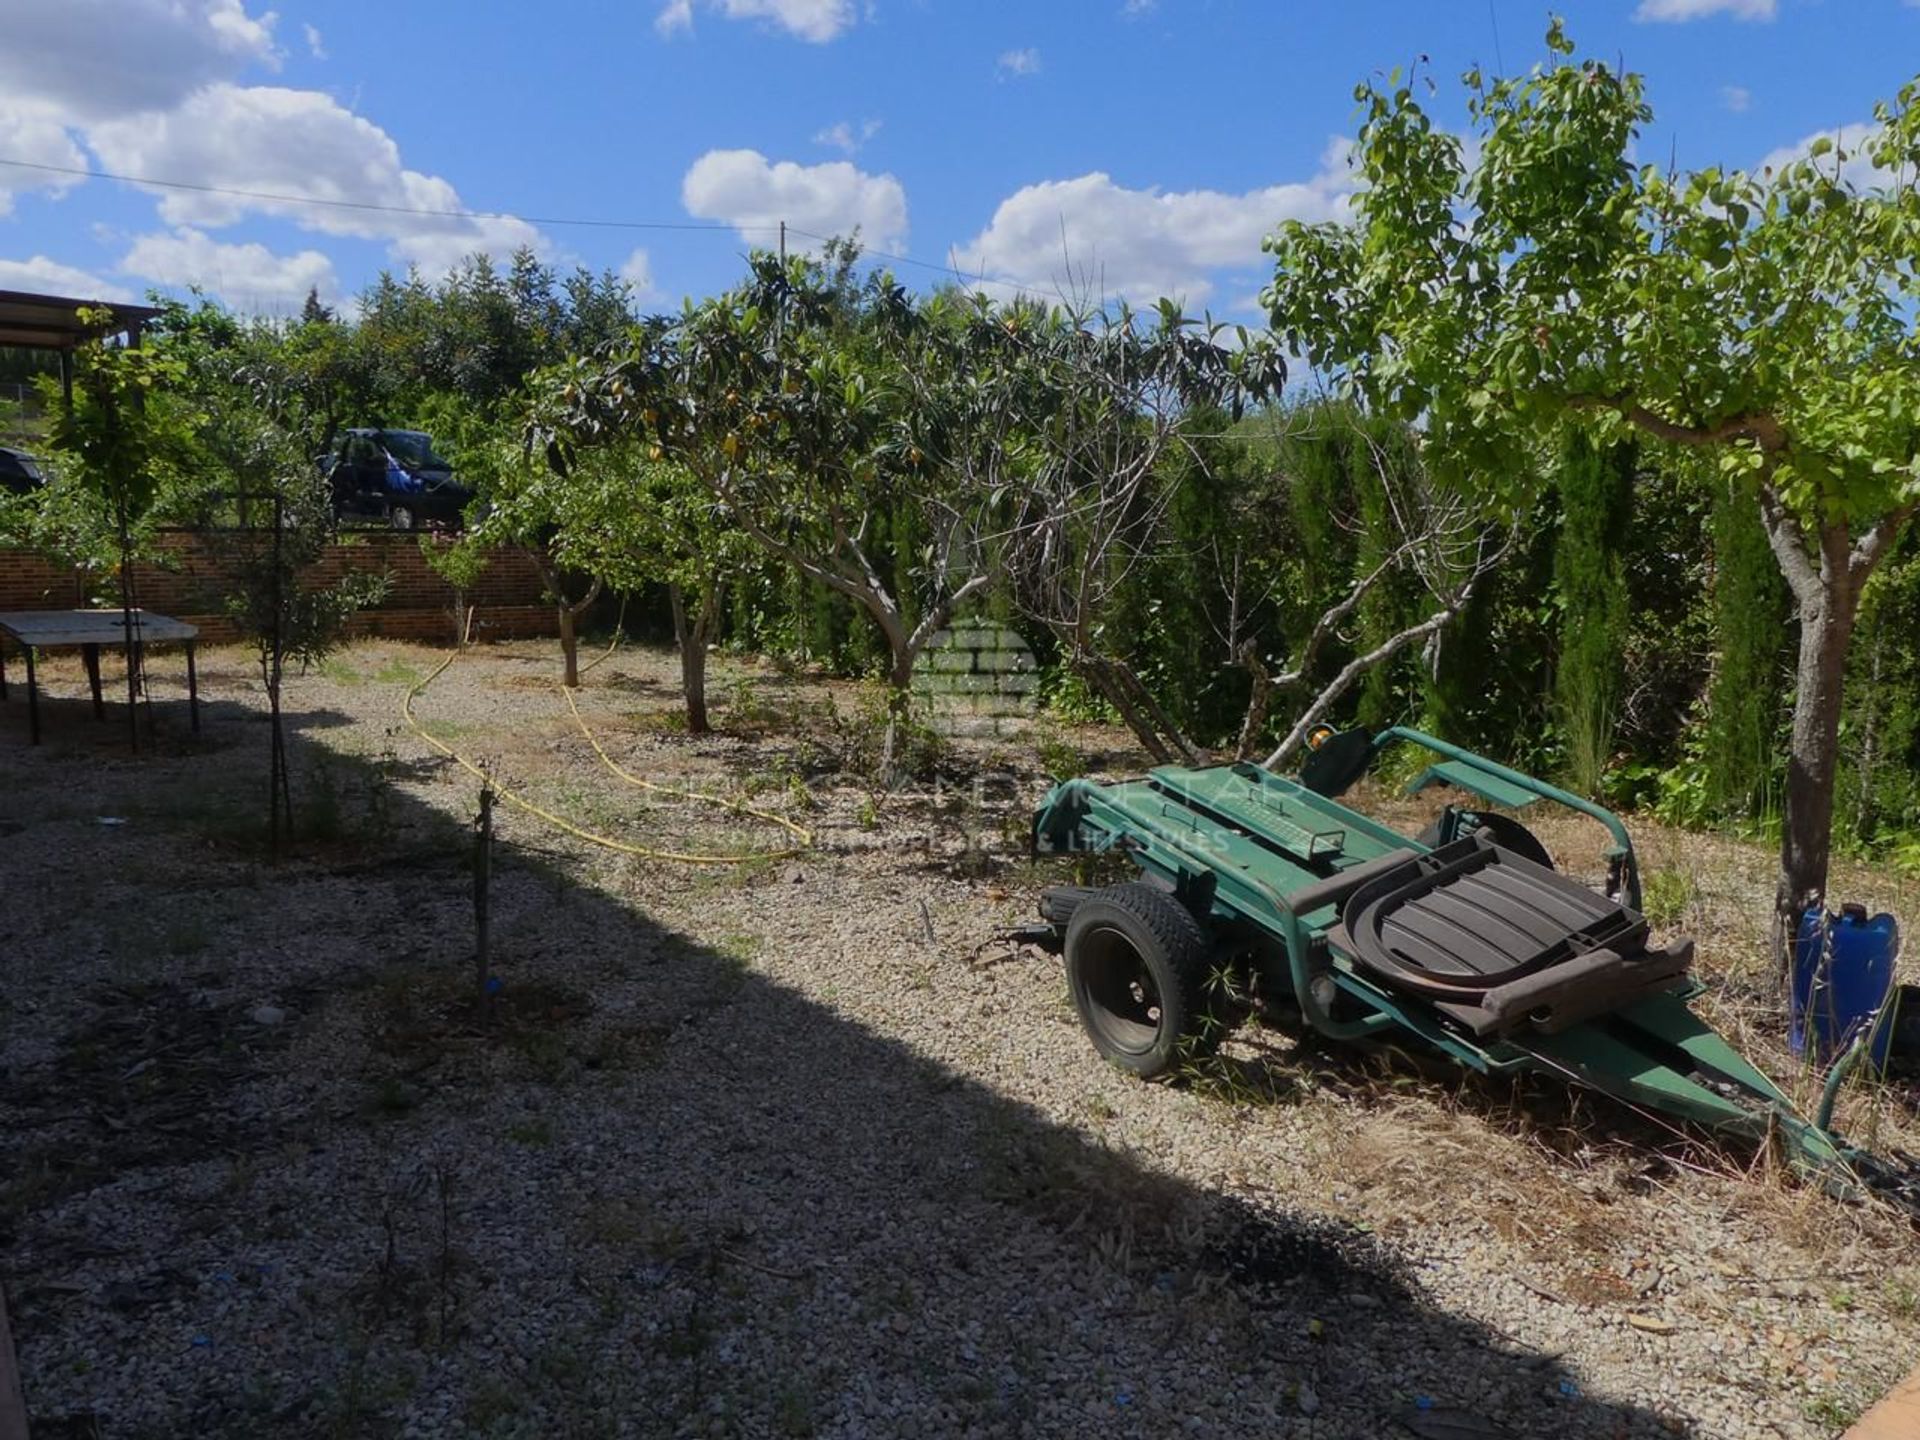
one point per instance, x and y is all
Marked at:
(270, 598)
(1766, 320)
(123, 445)
(1380, 463)
(1194, 598)
(1879, 799)
(70, 524)
(1060, 758)
(1746, 706)
(1587, 289)
(474, 337)
(1596, 489)
(1667, 896)
(1068, 697)
(460, 560)
(836, 461)
(885, 448)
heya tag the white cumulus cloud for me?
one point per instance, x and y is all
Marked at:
(316, 42)
(154, 88)
(1680, 11)
(248, 276)
(50, 277)
(95, 58)
(815, 20)
(1091, 231)
(37, 138)
(754, 194)
(303, 145)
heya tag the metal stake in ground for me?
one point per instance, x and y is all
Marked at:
(13, 1409)
(482, 880)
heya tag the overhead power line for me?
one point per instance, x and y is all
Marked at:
(950, 271)
(380, 209)
(577, 221)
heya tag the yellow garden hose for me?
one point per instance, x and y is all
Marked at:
(800, 833)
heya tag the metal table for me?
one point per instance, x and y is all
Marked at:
(86, 631)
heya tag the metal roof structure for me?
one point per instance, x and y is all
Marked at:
(52, 322)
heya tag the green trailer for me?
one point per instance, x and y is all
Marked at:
(1255, 887)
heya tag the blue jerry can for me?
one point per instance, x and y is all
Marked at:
(1842, 976)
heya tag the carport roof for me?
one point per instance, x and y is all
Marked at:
(52, 322)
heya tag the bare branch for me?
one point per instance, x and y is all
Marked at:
(1331, 619)
(1259, 700)
(1359, 666)
(1872, 546)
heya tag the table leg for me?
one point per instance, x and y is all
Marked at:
(90, 655)
(193, 690)
(33, 699)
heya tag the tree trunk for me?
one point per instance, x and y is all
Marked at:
(1806, 832)
(1114, 681)
(899, 710)
(1259, 700)
(692, 636)
(569, 611)
(127, 631)
(569, 646)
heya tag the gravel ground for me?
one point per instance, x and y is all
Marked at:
(784, 1149)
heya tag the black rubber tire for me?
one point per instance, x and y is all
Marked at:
(1137, 967)
(1058, 902)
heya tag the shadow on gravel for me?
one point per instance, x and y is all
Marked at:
(656, 1194)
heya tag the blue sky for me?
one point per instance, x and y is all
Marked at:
(1140, 146)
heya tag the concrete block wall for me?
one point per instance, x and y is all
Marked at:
(977, 678)
(186, 583)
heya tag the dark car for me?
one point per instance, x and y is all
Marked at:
(19, 471)
(394, 476)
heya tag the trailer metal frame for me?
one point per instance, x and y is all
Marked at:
(1265, 862)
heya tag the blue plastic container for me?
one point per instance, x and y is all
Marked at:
(1842, 976)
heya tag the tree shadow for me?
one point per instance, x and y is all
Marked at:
(294, 1184)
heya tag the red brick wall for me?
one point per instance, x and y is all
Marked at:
(418, 605)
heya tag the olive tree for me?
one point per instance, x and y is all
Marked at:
(1552, 283)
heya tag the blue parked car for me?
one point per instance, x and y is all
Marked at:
(19, 471)
(395, 477)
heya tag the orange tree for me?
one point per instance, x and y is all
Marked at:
(1553, 284)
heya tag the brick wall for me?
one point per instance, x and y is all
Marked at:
(187, 585)
(978, 678)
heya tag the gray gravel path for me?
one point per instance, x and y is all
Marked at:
(772, 1152)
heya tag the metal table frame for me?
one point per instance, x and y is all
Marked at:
(87, 631)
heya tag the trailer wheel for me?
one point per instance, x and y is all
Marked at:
(1503, 830)
(1137, 968)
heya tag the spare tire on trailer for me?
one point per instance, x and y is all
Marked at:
(1137, 966)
